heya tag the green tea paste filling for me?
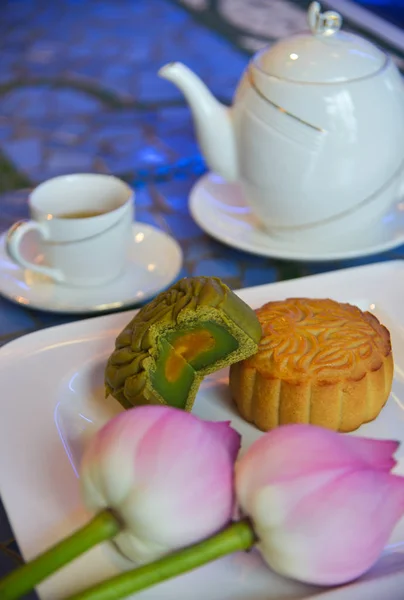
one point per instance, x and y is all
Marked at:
(184, 352)
(192, 329)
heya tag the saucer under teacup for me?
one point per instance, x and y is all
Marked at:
(154, 261)
(220, 209)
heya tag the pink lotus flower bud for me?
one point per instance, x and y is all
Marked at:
(323, 504)
(166, 473)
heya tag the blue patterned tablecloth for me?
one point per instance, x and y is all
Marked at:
(79, 92)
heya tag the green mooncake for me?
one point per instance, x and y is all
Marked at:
(192, 329)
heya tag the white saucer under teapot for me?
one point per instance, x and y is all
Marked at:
(316, 131)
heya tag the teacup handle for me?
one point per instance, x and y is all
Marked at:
(14, 238)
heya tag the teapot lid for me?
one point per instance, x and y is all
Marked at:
(327, 55)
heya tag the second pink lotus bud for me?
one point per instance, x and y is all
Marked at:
(323, 504)
(167, 474)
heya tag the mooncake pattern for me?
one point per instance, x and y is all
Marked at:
(319, 361)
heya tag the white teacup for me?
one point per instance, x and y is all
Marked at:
(85, 226)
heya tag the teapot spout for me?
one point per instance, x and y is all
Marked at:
(213, 122)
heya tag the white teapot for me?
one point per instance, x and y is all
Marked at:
(315, 135)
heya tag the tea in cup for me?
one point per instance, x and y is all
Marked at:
(84, 222)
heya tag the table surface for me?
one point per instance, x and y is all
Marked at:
(85, 96)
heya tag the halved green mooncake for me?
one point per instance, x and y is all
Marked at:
(192, 329)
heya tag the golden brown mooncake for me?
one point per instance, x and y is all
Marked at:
(318, 362)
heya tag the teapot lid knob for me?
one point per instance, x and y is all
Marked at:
(320, 23)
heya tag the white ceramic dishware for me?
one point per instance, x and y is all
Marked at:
(153, 261)
(315, 135)
(84, 223)
(53, 400)
(221, 210)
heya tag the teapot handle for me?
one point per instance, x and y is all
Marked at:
(320, 23)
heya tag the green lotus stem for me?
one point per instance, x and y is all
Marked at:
(236, 537)
(103, 526)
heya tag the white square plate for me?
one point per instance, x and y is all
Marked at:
(52, 399)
